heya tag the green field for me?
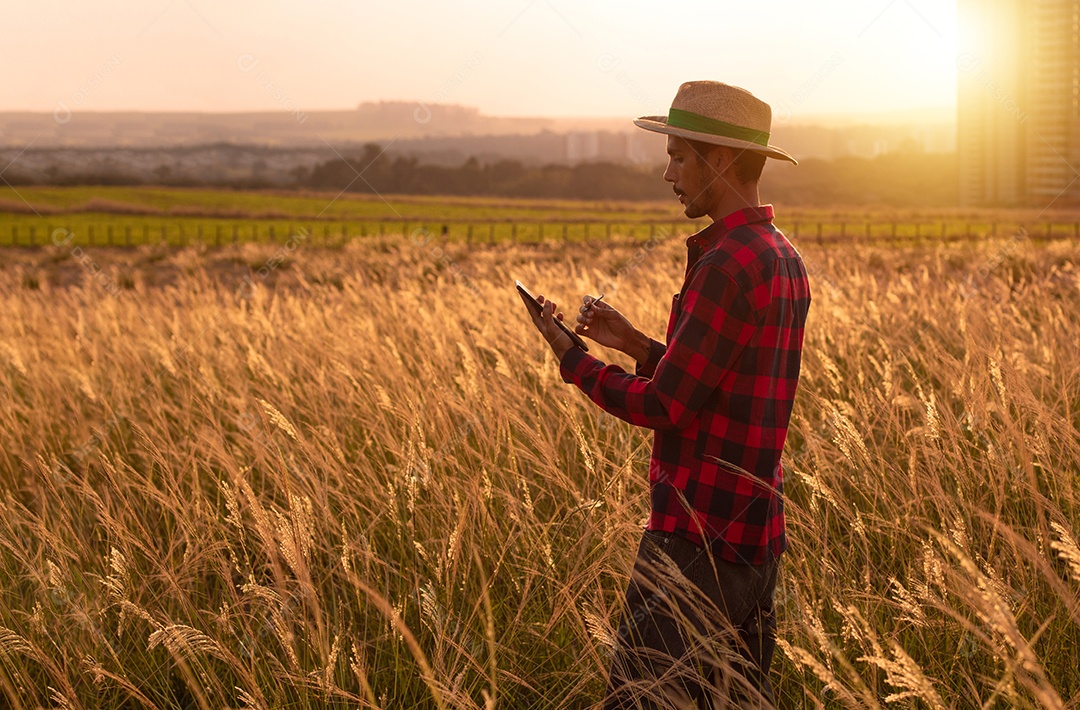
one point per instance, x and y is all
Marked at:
(31, 216)
(329, 206)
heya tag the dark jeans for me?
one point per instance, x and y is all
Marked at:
(696, 631)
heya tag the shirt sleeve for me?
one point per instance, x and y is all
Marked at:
(647, 368)
(715, 326)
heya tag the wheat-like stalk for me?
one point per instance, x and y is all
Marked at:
(365, 484)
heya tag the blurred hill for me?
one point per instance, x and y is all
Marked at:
(449, 133)
(451, 149)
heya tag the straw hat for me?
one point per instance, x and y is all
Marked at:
(712, 112)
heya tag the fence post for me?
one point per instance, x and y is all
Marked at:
(491, 233)
(127, 235)
(609, 230)
(894, 230)
(843, 230)
(868, 231)
(513, 231)
(795, 232)
(468, 237)
(541, 225)
(819, 231)
(235, 233)
(586, 231)
(943, 227)
(565, 231)
(14, 236)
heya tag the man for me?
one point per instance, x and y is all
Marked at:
(718, 394)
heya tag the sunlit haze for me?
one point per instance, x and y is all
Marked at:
(520, 58)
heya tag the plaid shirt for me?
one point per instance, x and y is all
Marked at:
(719, 394)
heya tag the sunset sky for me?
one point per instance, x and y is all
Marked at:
(511, 57)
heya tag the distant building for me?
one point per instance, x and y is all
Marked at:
(581, 146)
(1018, 117)
(586, 146)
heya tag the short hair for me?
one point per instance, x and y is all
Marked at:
(748, 166)
(748, 163)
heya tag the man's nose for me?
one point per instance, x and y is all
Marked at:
(669, 173)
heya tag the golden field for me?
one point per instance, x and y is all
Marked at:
(271, 477)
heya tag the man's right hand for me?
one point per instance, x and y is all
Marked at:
(605, 325)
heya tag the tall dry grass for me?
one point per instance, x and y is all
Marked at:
(372, 489)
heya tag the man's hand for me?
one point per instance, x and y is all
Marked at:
(605, 325)
(559, 341)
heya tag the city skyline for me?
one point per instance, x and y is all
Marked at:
(1019, 108)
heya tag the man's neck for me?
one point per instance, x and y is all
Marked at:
(735, 198)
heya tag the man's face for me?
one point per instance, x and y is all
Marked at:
(694, 177)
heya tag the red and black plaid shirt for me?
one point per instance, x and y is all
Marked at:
(719, 394)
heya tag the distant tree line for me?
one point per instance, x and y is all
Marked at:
(909, 178)
(904, 179)
(375, 171)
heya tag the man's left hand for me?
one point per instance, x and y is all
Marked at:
(559, 341)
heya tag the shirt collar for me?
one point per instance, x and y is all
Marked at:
(716, 230)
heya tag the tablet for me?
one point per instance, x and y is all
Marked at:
(537, 309)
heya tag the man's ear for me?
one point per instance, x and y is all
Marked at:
(725, 158)
(720, 158)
